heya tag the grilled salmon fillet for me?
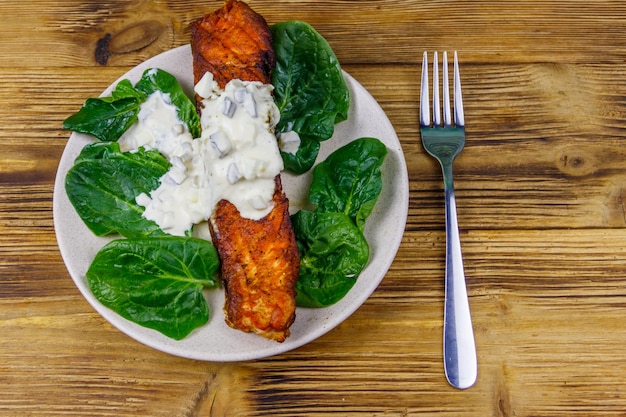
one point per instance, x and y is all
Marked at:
(260, 265)
(233, 42)
(259, 258)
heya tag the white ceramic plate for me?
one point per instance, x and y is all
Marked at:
(216, 341)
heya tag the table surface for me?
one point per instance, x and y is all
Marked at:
(541, 195)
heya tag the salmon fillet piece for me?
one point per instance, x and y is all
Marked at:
(233, 42)
(260, 265)
(260, 261)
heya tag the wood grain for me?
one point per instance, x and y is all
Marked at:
(540, 194)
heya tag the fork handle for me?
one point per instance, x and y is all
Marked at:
(459, 348)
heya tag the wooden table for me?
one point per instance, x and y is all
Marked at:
(541, 194)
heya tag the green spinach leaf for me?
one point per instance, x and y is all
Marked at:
(125, 89)
(107, 118)
(156, 282)
(104, 118)
(349, 180)
(309, 88)
(333, 249)
(333, 252)
(158, 80)
(103, 183)
(304, 158)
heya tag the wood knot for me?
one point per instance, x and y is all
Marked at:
(130, 39)
(576, 162)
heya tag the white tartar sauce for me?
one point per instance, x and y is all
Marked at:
(236, 158)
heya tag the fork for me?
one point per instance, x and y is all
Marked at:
(444, 143)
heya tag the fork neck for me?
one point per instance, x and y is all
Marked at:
(448, 181)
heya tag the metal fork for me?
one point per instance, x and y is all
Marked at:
(444, 143)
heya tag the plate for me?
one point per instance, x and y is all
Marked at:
(216, 341)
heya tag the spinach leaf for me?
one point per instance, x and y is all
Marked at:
(349, 180)
(156, 282)
(104, 118)
(333, 252)
(107, 118)
(333, 249)
(125, 89)
(304, 158)
(158, 80)
(103, 183)
(309, 88)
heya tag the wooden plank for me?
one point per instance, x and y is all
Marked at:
(554, 167)
(71, 32)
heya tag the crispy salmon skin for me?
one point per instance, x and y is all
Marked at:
(260, 264)
(260, 261)
(233, 42)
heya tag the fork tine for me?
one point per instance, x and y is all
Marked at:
(459, 117)
(447, 120)
(436, 103)
(424, 105)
